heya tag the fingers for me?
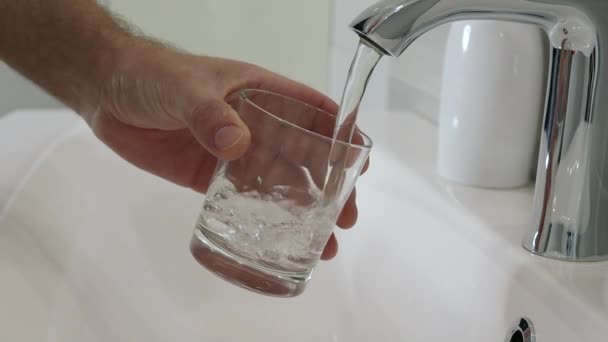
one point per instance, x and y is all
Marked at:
(217, 126)
(349, 214)
(331, 248)
(173, 155)
(365, 166)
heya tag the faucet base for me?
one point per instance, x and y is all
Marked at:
(563, 246)
(570, 209)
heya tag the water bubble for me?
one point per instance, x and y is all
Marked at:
(284, 235)
(286, 226)
(271, 254)
(221, 195)
(296, 259)
(211, 207)
(258, 233)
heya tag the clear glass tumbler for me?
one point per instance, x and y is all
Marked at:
(268, 215)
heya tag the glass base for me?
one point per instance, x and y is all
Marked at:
(244, 273)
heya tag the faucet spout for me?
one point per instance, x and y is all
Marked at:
(392, 25)
(570, 211)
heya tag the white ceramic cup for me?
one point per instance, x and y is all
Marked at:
(492, 101)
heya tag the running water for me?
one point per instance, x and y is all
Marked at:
(360, 71)
(362, 67)
(269, 232)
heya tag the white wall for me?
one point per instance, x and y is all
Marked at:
(416, 76)
(422, 63)
(17, 92)
(288, 36)
(306, 40)
(410, 82)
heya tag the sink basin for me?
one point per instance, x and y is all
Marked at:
(94, 249)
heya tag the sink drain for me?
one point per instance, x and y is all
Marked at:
(523, 331)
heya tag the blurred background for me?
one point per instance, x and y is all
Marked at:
(306, 40)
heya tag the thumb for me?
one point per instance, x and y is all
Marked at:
(218, 127)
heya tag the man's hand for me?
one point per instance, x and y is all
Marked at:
(164, 111)
(169, 113)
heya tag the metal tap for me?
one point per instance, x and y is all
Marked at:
(570, 212)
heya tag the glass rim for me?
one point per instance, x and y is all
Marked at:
(367, 141)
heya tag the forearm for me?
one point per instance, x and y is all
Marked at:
(65, 46)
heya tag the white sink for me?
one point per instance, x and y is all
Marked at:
(93, 249)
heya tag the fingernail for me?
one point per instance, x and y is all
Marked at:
(227, 137)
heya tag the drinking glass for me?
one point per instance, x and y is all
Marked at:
(268, 215)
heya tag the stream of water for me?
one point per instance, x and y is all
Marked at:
(361, 69)
(365, 60)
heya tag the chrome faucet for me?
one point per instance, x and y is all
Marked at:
(570, 211)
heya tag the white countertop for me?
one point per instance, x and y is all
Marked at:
(24, 137)
(94, 249)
